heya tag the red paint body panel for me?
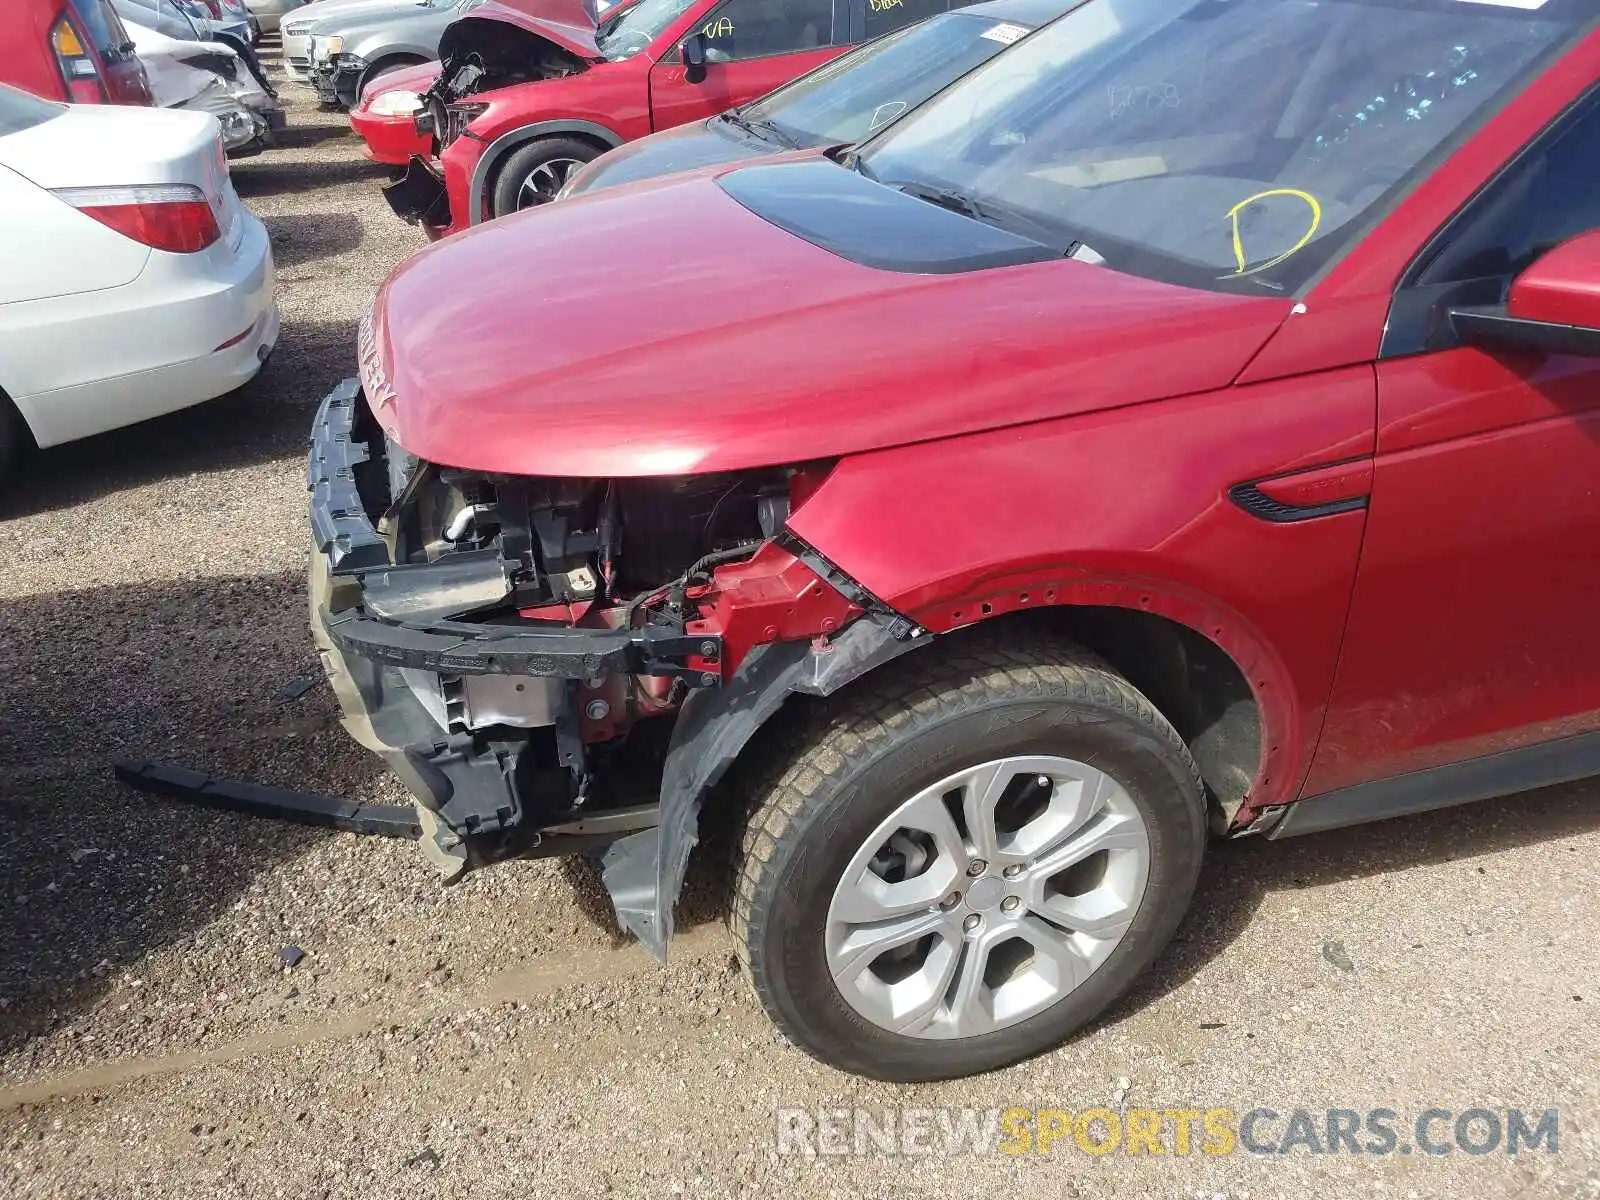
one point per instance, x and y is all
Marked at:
(393, 140)
(1472, 625)
(457, 162)
(28, 61)
(479, 369)
(772, 597)
(1563, 287)
(675, 101)
(1127, 508)
(1320, 485)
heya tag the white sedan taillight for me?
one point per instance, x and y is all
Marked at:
(175, 217)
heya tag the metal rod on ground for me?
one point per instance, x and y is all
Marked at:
(253, 799)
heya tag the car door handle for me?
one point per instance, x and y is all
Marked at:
(1308, 494)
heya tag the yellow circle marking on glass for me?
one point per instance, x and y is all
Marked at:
(1238, 239)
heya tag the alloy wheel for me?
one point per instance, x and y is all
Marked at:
(983, 900)
(544, 182)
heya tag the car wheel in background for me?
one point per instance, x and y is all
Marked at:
(532, 175)
(967, 860)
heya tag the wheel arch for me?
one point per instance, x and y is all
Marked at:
(1197, 659)
(391, 58)
(495, 154)
(1200, 667)
(1192, 680)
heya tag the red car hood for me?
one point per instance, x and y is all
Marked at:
(661, 329)
(570, 24)
(418, 78)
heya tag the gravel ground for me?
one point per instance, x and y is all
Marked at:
(498, 1038)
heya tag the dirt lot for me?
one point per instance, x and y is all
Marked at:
(497, 1038)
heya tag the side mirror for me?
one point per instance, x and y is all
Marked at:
(1554, 305)
(694, 57)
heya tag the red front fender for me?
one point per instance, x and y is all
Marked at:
(1129, 509)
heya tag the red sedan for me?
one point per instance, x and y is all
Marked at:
(385, 117)
(1189, 420)
(522, 102)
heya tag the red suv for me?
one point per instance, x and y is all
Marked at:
(1191, 417)
(513, 116)
(75, 50)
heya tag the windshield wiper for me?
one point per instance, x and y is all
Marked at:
(851, 160)
(957, 202)
(1020, 224)
(763, 129)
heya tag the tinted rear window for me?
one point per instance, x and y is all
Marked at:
(97, 19)
(19, 110)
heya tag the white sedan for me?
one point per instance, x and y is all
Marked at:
(135, 282)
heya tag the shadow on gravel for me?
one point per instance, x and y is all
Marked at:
(301, 238)
(254, 178)
(1236, 877)
(1239, 874)
(93, 877)
(266, 420)
(301, 137)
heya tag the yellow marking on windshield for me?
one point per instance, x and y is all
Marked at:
(1238, 238)
(721, 27)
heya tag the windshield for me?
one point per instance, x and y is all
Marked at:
(635, 29)
(1230, 144)
(166, 19)
(21, 110)
(869, 87)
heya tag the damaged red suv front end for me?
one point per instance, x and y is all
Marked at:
(524, 652)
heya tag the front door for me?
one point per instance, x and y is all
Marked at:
(1475, 622)
(752, 47)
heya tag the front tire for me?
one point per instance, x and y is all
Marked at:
(969, 859)
(532, 175)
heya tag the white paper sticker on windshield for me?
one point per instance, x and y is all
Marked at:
(1526, 5)
(1005, 32)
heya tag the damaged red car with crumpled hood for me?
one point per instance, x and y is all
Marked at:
(1187, 417)
(385, 113)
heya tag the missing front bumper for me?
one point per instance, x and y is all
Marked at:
(338, 83)
(474, 796)
(419, 196)
(471, 785)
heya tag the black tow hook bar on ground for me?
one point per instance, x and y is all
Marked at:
(254, 800)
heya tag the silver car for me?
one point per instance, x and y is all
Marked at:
(330, 19)
(269, 14)
(354, 47)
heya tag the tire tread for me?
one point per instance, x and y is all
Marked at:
(925, 685)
